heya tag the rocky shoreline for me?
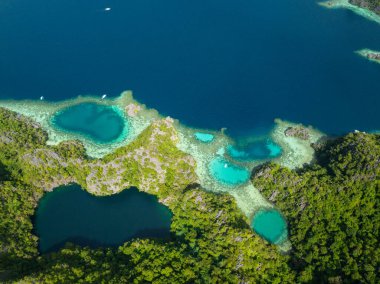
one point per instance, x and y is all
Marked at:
(371, 55)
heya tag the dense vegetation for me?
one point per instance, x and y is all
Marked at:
(331, 206)
(373, 5)
(211, 238)
(333, 210)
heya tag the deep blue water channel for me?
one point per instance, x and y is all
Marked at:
(70, 214)
(238, 64)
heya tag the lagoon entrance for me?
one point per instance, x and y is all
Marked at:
(70, 214)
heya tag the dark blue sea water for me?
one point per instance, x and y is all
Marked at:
(217, 63)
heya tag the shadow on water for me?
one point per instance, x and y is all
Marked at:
(71, 215)
(160, 233)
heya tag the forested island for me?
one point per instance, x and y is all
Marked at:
(331, 205)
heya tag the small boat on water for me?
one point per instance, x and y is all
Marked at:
(225, 165)
(104, 96)
(42, 98)
(107, 9)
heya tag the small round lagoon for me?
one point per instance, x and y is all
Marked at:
(228, 173)
(270, 225)
(99, 123)
(204, 137)
(70, 214)
(258, 150)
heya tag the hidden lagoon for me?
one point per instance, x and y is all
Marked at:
(70, 214)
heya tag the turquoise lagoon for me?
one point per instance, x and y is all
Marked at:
(258, 150)
(204, 137)
(228, 173)
(270, 225)
(70, 214)
(99, 123)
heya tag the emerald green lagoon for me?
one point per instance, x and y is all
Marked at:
(70, 214)
(228, 173)
(99, 123)
(270, 225)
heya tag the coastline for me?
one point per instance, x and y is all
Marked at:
(337, 4)
(295, 151)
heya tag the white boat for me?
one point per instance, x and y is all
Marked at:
(104, 96)
(41, 98)
(107, 9)
(225, 165)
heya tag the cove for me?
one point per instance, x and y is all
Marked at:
(228, 173)
(270, 225)
(258, 150)
(99, 123)
(70, 214)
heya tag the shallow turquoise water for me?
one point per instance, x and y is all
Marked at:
(71, 214)
(274, 149)
(258, 150)
(100, 123)
(227, 173)
(204, 137)
(270, 225)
